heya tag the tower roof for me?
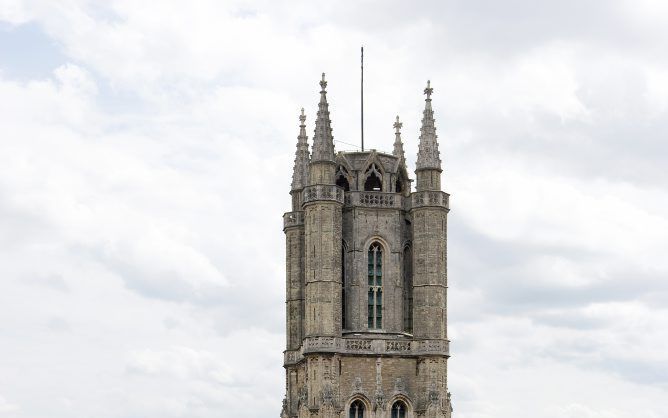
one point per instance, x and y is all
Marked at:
(428, 154)
(323, 141)
(300, 172)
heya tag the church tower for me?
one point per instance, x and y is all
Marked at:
(366, 282)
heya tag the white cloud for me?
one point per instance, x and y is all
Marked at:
(142, 183)
(6, 407)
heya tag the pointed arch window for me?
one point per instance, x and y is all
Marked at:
(342, 179)
(399, 410)
(402, 184)
(356, 409)
(375, 281)
(374, 179)
(408, 289)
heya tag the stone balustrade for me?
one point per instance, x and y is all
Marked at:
(322, 192)
(430, 198)
(375, 346)
(374, 200)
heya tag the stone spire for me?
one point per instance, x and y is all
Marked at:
(428, 154)
(300, 172)
(323, 141)
(398, 145)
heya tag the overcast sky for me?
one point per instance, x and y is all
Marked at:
(145, 162)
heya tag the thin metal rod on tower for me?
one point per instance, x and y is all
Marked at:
(362, 96)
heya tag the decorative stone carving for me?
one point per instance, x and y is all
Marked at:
(357, 386)
(303, 395)
(391, 346)
(358, 344)
(366, 346)
(327, 396)
(430, 198)
(374, 200)
(433, 395)
(399, 386)
(284, 410)
(323, 192)
(379, 399)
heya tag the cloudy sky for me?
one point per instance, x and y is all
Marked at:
(145, 162)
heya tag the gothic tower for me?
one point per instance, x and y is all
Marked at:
(366, 280)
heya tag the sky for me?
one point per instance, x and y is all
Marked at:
(146, 153)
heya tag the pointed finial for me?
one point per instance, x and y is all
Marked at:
(302, 158)
(323, 83)
(428, 91)
(323, 142)
(428, 154)
(398, 145)
(397, 126)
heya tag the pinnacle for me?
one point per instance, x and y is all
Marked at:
(323, 141)
(398, 144)
(300, 172)
(428, 153)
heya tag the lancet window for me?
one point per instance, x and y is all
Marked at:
(399, 410)
(374, 179)
(375, 281)
(342, 179)
(356, 409)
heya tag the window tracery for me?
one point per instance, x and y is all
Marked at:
(375, 282)
(356, 409)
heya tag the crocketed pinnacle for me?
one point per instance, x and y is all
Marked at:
(428, 154)
(323, 141)
(300, 172)
(398, 145)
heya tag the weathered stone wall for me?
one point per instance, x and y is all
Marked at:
(323, 268)
(294, 285)
(429, 272)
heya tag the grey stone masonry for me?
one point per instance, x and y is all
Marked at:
(366, 280)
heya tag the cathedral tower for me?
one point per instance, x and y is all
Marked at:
(366, 280)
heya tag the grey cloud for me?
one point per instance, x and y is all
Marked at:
(498, 270)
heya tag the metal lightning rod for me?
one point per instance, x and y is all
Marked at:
(362, 95)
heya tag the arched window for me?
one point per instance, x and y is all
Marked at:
(342, 179)
(399, 410)
(374, 180)
(375, 280)
(408, 289)
(356, 409)
(402, 184)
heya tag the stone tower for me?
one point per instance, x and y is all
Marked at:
(366, 280)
